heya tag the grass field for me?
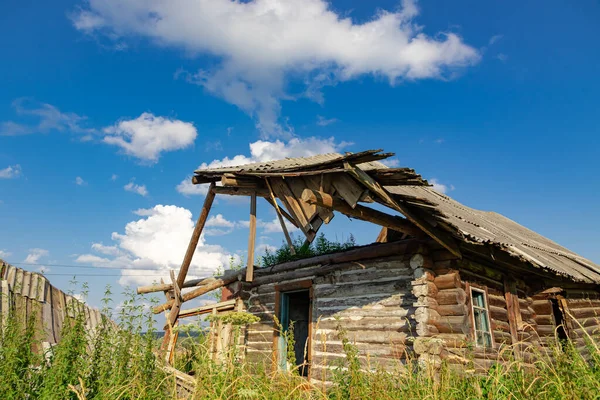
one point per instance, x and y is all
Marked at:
(121, 364)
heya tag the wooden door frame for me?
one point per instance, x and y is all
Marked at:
(306, 284)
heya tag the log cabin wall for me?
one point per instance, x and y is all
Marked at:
(379, 303)
(415, 303)
(582, 312)
(532, 327)
(451, 314)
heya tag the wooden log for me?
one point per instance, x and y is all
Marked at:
(447, 281)
(219, 282)
(451, 324)
(222, 306)
(241, 191)
(589, 312)
(168, 286)
(251, 239)
(185, 265)
(451, 296)
(241, 182)
(451, 309)
(360, 212)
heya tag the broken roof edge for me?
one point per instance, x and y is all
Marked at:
(465, 224)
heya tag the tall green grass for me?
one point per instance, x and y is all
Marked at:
(120, 362)
(116, 361)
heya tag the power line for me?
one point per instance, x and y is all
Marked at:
(81, 266)
(78, 275)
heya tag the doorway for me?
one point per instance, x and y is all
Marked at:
(294, 310)
(559, 321)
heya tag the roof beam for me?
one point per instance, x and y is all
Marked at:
(442, 238)
(360, 212)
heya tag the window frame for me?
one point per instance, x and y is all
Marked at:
(486, 309)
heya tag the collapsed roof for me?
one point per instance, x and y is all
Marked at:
(311, 188)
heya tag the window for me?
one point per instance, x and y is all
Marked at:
(481, 320)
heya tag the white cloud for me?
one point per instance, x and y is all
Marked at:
(494, 39)
(440, 187)
(91, 259)
(49, 117)
(155, 244)
(262, 45)
(391, 162)
(219, 221)
(322, 121)
(267, 227)
(114, 177)
(502, 57)
(108, 250)
(4, 254)
(262, 151)
(34, 255)
(135, 188)
(217, 225)
(147, 136)
(80, 182)
(262, 248)
(12, 171)
(187, 188)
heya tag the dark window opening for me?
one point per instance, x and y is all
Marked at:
(295, 307)
(559, 321)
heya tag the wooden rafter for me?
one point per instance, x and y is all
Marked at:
(285, 194)
(360, 212)
(442, 238)
(280, 217)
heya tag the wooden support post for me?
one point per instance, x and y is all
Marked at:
(251, 239)
(185, 265)
(170, 298)
(442, 238)
(177, 300)
(281, 221)
(513, 310)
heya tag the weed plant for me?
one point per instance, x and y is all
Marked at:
(119, 361)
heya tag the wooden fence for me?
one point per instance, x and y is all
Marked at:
(33, 296)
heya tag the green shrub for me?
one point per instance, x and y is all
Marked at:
(321, 245)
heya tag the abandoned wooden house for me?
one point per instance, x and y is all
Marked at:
(442, 282)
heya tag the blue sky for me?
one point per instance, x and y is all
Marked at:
(496, 102)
